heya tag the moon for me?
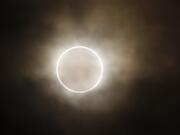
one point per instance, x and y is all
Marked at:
(59, 70)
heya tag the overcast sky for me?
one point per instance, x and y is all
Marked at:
(139, 43)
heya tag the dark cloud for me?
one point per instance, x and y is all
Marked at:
(139, 39)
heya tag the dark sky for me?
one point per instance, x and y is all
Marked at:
(142, 98)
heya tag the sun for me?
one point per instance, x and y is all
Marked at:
(59, 71)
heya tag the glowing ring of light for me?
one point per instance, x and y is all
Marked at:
(99, 78)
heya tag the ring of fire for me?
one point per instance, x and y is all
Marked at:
(71, 89)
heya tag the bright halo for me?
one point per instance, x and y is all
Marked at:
(99, 77)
